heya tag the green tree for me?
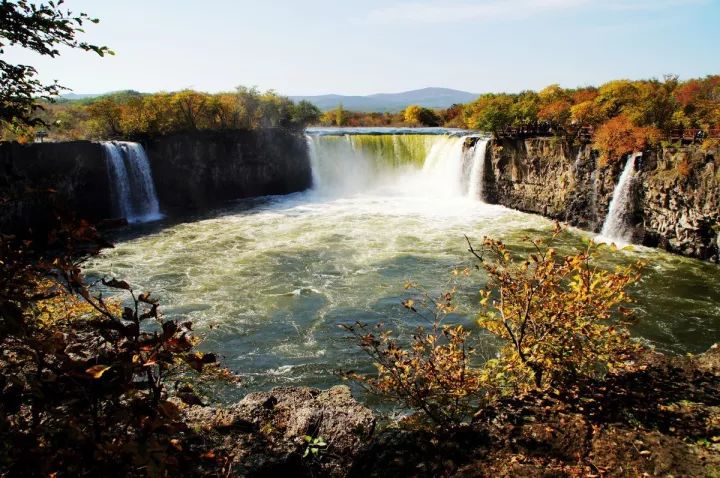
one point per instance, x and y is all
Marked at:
(525, 108)
(489, 112)
(418, 115)
(305, 113)
(41, 28)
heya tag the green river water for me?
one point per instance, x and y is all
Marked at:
(268, 280)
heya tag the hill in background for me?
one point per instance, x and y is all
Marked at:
(428, 97)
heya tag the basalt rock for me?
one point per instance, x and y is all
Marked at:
(36, 179)
(191, 171)
(675, 201)
(205, 168)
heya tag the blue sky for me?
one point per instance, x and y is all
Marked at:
(363, 47)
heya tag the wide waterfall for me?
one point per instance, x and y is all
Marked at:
(268, 280)
(131, 182)
(427, 163)
(616, 227)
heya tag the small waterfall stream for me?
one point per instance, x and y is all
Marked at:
(131, 182)
(477, 170)
(616, 227)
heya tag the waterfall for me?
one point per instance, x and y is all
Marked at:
(131, 182)
(477, 170)
(396, 163)
(615, 228)
(443, 168)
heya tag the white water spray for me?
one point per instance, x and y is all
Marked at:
(476, 183)
(131, 182)
(615, 228)
(402, 164)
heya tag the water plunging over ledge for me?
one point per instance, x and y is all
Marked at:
(268, 280)
(616, 227)
(131, 182)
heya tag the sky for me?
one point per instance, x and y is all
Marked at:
(361, 47)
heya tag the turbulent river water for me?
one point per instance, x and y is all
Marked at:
(268, 280)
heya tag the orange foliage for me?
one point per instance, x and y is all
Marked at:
(557, 112)
(619, 136)
(684, 168)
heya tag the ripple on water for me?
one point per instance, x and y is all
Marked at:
(274, 278)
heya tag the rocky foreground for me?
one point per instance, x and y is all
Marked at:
(661, 418)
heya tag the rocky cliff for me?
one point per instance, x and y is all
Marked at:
(190, 171)
(195, 170)
(36, 179)
(675, 201)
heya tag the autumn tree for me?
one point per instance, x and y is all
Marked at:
(525, 109)
(489, 112)
(619, 136)
(420, 116)
(452, 117)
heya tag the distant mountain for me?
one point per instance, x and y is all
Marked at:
(76, 96)
(428, 97)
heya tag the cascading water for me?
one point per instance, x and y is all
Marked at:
(268, 281)
(131, 182)
(399, 163)
(476, 180)
(615, 228)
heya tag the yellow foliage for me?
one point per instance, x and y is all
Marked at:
(559, 318)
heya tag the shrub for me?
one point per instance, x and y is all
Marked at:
(557, 318)
(84, 389)
(434, 373)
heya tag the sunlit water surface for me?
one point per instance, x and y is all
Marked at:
(268, 281)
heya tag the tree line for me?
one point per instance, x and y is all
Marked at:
(130, 113)
(620, 116)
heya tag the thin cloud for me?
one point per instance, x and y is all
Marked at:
(448, 12)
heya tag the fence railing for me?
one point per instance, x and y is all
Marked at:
(586, 133)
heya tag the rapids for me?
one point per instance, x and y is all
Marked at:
(268, 280)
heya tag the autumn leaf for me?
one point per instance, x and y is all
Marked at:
(97, 371)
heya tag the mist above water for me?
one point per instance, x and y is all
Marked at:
(268, 281)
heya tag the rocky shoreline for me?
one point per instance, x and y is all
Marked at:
(661, 417)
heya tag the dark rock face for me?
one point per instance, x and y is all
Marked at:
(71, 175)
(190, 171)
(677, 212)
(195, 170)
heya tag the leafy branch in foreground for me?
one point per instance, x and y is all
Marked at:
(85, 381)
(433, 373)
(41, 28)
(557, 319)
